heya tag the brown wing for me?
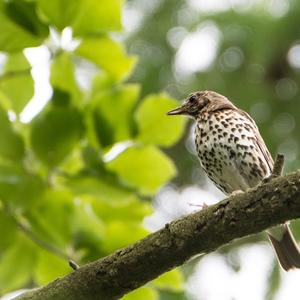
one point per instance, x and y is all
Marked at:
(264, 150)
(260, 143)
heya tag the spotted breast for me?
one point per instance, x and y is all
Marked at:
(231, 150)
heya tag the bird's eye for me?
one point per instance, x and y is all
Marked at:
(192, 98)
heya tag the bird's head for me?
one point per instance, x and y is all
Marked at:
(201, 101)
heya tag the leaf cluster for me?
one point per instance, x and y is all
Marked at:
(75, 180)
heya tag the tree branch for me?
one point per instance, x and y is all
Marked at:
(267, 205)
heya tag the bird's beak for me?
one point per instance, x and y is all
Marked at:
(178, 111)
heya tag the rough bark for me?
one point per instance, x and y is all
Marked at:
(267, 205)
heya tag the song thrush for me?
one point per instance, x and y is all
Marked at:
(234, 156)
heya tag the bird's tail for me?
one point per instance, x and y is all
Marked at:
(285, 246)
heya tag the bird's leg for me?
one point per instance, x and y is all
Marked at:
(277, 169)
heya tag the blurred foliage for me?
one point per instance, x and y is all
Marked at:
(75, 181)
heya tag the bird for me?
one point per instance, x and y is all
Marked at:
(235, 157)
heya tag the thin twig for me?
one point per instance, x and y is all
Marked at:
(30, 234)
(73, 265)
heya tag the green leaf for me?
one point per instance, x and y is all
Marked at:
(171, 295)
(130, 210)
(51, 218)
(49, 267)
(145, 293)
(92, 158)
(111, 114)
(154, 126)
(171, 280)
(8, 231)
(101, 83)
(96, 16)
(145, 168)
(63, 75)
(17, 187)
(59, 13)
(55, 133)
(85, 16)
(103, 202)
(16, 83)
(20, 26)
(16, 265)
(11, 143)
(120, 234)
(88, 231)
(100, 188)
(109, 55)
(17, 62)
(73, 163)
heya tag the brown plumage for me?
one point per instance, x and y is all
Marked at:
(234, 156)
